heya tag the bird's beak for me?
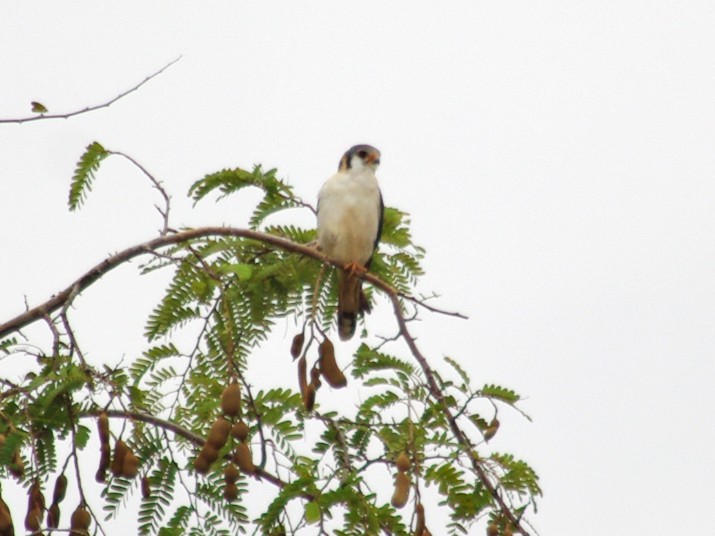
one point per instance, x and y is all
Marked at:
(372, 158)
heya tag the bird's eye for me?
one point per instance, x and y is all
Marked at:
(362, 154)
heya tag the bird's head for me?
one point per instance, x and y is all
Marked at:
(359, 157)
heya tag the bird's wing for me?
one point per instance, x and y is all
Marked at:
(381, 216)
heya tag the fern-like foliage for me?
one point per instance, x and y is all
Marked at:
(328, 468)
(84, 174)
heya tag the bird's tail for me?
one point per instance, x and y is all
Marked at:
(351, 302)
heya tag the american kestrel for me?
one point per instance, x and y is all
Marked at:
(350, 213)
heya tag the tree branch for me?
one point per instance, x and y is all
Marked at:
(196, 439)
(93, 275)
(91, 108)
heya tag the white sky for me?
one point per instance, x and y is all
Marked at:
(557, 159)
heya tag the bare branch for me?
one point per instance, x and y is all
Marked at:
(40, 117)
(158, 185)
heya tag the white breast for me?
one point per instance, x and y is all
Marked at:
(349, 215)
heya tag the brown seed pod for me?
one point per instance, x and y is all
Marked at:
(17, 465)
(240, 431)
(230, 474)
(507, 531)
(103, 427)
(60, 489)
(296, 347)
(402, 490)
(302, 376)
(120, 452)
(309, 397)
(403, 462)
(231, 400)
(80, 520)
(491, 429)
(230, 491)
(419, 519)
(33, 519)
(35, 498)
(315, 377)
(201, 464)
(492, 529)
(6, 526)
(329, 367)
(146, 488)
(53, 516)
(130, 466)
(104, 462)
(209, 452)
(243, 458)
(218, 435)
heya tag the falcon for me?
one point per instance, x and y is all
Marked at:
(350, 214)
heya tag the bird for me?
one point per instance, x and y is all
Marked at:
(350, 216)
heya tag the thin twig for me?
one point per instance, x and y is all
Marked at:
(40, 117)
(158, 185)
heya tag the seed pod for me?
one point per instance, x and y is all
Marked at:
(296, 347)
(230, 474)
(230, 491)
(201, 464)
(6, 526)
(419, 519)
(218, 435)
(402, 490)
(130, 467)
(491, 429)
(240, 431)
(17, 465)
(146, 488)
(33, 519)
(507, 531)
(104, 462)
(60, 489)
(80, 520)
(309, 397)
(209, 452)
(120, 452)
(302, 369)
(315, 377)
(103, 427)
(53, 516)
(403, 462)
(231, 400)
(329, 367)
(243, 458)
(492, 529)
(35, 498)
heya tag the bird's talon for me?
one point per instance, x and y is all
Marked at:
(354, 268)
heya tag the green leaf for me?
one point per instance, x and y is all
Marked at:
(243, 271)
(312, 512)
(501, 393)
(38, 107)
(84, 174)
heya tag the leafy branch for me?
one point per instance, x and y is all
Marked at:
(235, 284)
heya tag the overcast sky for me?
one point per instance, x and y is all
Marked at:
(557, 159)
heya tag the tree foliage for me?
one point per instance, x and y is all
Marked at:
(315, 466)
